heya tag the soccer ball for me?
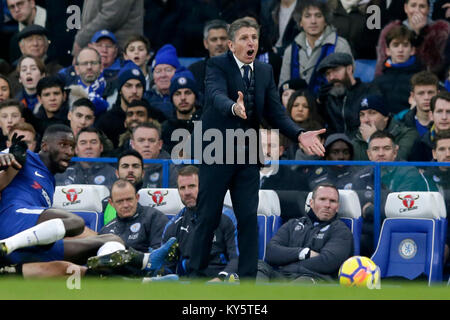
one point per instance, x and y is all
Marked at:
(110, 247)
(359, 271)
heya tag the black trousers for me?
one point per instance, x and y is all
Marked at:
(243, 183)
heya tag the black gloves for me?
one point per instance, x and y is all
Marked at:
(323, 92)
(19, 149)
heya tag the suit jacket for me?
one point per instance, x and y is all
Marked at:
(224, 80)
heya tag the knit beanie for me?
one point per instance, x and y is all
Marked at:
(130, 71)
(167, 54)
(374, 102)
(183, 78)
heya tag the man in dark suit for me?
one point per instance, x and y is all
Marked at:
(240, 93)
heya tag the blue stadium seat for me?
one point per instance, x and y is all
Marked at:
(411, 243)
(187, 61)
(365, 69)
(92, 219)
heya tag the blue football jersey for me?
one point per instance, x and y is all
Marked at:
(34, 185)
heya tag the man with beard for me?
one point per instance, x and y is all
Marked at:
(184, 96)
(130, 167)
(339, 99)
(131, 84)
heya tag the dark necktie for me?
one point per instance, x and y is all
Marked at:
(246, 75)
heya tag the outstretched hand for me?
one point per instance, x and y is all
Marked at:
(239, 107)
(19, 149)
(310, 143)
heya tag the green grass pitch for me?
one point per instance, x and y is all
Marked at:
(12, 288)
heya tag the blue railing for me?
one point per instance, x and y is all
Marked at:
(377, 174)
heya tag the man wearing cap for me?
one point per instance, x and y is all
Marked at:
(123, 18)
(164, 67)
(338, 147)
(339, 99)
(130, 85)
(374, 116)
(184, 95)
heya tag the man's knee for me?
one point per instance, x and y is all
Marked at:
(73, 223)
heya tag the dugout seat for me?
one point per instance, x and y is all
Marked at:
(411, 241)
(268, 214)
(349, 212)
(166, 200)
(84, 200)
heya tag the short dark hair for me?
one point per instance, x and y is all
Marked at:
(130, 152)
(305, 4)
(239, 24)
(400, 32)
(5, 78)
(188, 170)
(90, 129)
(444, 95)
(83, 102)
(442, 135)
(53, 129)
(12, 103)
(214, 24)
(324, 185)
(49, 82)
(137, 37)
(424, 78)
(381, 134)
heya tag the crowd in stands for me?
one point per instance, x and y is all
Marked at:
(122, 84)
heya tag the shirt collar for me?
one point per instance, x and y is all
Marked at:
(240, 63)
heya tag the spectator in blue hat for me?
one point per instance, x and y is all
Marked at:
(374, 116)
(130, 86)
(185, 98)
(163, 67)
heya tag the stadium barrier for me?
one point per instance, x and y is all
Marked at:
(376, 165)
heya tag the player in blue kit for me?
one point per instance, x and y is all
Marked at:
(31, 230)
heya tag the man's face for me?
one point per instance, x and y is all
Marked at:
(51, 99)
(81, 117)
(88, 66)
(325, 204)
(245, 44)
(373, 118)
(35, 45)
(89, 145)
(216, 43)
(9, 116)
(441, 115)
(270, 142)
(21, 10)
(107, 49)
(442, 152)
(416, 7)
(29, 74)
(313, 22)
(400, 50)
(147, 142)
(28, 137)
(188, 190)
(162, 74)
(4, 90)
(340, 78)
(132, 90)
(422, 96)
(60, 149)
(339, 151)
(382, 150)
(130, 168)
(135, 116)
(124, 200)
(184, 100)
(137, 52)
